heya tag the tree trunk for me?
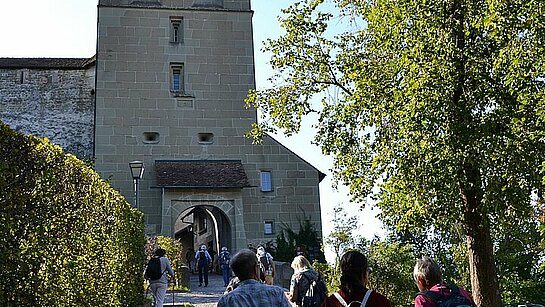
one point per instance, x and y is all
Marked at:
(482, 267)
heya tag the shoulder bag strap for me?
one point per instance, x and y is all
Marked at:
(341, 300)
(366, 297)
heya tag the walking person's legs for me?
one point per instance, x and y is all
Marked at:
(225, 276)
(205, 272)
(201, 269)
(158, 290)
(161, 293)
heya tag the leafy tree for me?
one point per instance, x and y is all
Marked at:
(437, 111)
(307, 237)
(342, 237)
(392, 266)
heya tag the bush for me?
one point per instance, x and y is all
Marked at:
(174, 252)
(67, 238)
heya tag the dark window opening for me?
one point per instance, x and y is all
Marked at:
(206, 138)
(151, 137)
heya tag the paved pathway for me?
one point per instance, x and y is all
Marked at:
(200, 296)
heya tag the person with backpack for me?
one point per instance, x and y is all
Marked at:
(353, 289)
(155, 272)
(266, 265)
(307, 289)
(203, 260)
(225, 258)
(433, 291)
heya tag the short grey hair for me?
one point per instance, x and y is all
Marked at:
(428, 271)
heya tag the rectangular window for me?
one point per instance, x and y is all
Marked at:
(268, 227)
(176, 29)
(22, 76)
(266, 181)
(177, 78)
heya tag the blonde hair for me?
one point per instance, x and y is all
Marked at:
(300, 263)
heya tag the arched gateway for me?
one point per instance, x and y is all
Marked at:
(204, 222)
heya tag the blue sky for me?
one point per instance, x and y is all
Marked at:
(67, 28)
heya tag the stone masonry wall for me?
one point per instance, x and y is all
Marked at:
(52, 103)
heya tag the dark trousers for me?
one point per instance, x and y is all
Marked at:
(226, 276)
(203, 270)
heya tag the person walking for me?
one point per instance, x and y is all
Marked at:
(266, 264)
(301, 281)
(203, 260)
(353, 290)
(158, 286)
(250, 292)
(190, 259)
(429, 280)
(225, 259)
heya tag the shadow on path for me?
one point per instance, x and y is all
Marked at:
(200, 296)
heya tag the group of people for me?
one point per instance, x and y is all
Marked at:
(353, 290)
(253, 282)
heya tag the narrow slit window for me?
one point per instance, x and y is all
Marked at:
(177, 79)
(176, 30)
(266, 181)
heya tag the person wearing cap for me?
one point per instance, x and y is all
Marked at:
(203, 259)
(225, 258)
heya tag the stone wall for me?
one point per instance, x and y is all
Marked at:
(134, 99)
(53, 103)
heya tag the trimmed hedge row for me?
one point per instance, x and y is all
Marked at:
(66, 237)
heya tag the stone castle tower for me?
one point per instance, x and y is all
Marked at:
(171, 79)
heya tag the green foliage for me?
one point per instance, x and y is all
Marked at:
(307, 237)
(392, 267)
(436, 110)
(330, 274)
(67, 238)
(342, 237)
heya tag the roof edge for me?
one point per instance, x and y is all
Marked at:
(321, 175)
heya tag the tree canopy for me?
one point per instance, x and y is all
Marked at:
(435, 109)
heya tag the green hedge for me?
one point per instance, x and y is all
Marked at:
(66, 237)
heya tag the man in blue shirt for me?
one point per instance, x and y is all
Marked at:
(250, 292)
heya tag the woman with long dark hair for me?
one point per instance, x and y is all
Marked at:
(353, 290)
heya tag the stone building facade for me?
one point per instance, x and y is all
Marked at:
(171, 78)
(52, 98)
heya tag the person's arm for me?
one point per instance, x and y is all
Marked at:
(293, 294)
(169, 268)
(284, 301)
(273, 268)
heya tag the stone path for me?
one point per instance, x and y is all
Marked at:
(199, 296)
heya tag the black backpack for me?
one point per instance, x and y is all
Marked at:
(153, 270)
(455, 299)
(265, 263)
(316, 293)
(225, 258)
(202, 259)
